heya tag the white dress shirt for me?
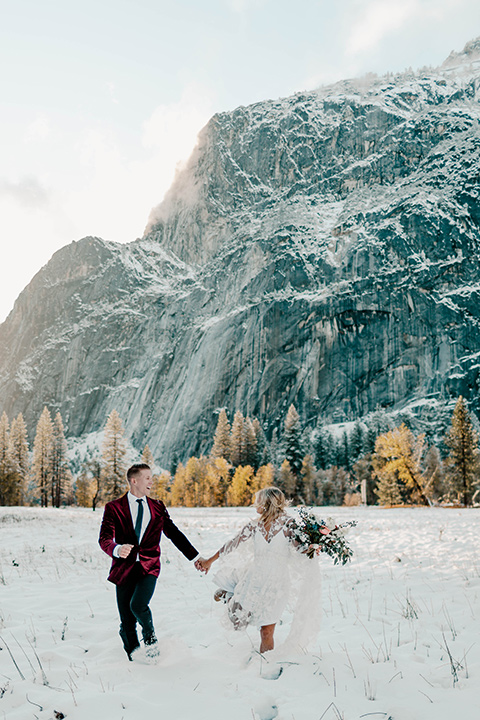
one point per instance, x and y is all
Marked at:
(133, 504)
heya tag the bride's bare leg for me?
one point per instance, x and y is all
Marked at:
(266, 636)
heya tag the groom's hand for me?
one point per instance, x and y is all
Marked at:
(199, 564)
(124, 550)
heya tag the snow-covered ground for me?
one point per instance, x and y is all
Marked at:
(397, 622)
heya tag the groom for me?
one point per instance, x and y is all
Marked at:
(130, 533)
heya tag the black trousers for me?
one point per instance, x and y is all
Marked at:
(132, 601)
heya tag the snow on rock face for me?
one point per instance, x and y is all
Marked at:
(320, 249)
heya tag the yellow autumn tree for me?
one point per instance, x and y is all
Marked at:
(216, 482)
(84, 489)
(161, 487)
(264, 477)
(240, 490)
(114, 458)
(177, 490)
(308, 477)
(463, 462)
(42, 454)
(286, 479)
(7, 486)
(160, 481)
(19, 455)
(221, 441)
(397, 459)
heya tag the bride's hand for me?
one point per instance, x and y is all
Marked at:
(325, 530)
(203, 565)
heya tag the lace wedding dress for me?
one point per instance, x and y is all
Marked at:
(273, 575)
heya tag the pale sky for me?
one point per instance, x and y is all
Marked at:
(102, 99)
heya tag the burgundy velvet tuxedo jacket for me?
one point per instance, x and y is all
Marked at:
(117, 529)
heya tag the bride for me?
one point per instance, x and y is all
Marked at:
(259, 592)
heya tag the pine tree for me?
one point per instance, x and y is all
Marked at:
(19, 457)
(370, 439)
(61, 478)
(286, 480)
(463, 459)
(173, 464)
(160, 486)
(240, 490)
(388, 489)
(323, 449)
(362, 474)
(338, 453)
(177, 490)
(308, 475)
(356, 442)
(114, 458)
(261, 444)
(237, 440)
(378, 424)
(221, 441)
(95, 468)
(264, 477)
(148, 459)
(292, 445)
(274, 449)
(7, 490)
(345, 450)
(84, 489)
(249, 444)
(332, 485)
(434, 474)
(42, 456)
(194, 482)
(266, 457)
(219, 479)
(160, 482)
(398, 454)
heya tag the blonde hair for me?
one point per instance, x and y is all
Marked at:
(272, 503)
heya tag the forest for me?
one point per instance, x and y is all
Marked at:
(372, 464)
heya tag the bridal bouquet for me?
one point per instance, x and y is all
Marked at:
(310, 540)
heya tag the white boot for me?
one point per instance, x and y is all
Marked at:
(152, 649)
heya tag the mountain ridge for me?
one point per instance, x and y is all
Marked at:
(320, 249)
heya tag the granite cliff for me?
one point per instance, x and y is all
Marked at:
(322, 249)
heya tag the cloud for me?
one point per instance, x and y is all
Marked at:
(28, 192)
(172, 128)
(170, 134)
(378, 20)
(39, 129)
(112, 92)
(112, 194)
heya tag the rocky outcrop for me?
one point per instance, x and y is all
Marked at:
(321, 249)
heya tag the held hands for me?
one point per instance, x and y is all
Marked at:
(124, 550)
(203, 565)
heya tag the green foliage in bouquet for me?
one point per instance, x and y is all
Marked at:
(310, 539)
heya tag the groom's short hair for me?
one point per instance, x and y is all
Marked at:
(136, 469)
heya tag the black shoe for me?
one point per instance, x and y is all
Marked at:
(131, 653)
(130, 642)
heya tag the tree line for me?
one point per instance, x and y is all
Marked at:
(371, 464)
(375, 463)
